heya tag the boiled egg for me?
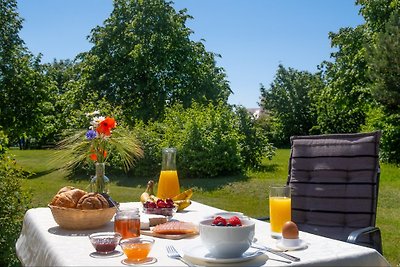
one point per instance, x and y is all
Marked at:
(290, 230)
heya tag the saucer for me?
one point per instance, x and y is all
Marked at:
(115, 253)
(148, 260)
(302, 244)
(200, 252)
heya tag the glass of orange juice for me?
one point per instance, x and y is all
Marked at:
(137, 250)
(168, 183)
(280, 208)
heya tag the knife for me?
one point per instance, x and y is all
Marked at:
(279, 253)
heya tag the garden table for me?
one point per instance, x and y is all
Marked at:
(43, 243)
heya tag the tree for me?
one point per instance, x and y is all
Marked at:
(363, 77)
(289, 99)
(384, 65)
(376, 13)
(144, 60)
(383, 59)
(24, 90)
(342, 104)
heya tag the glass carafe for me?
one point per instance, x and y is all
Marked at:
(168, 183)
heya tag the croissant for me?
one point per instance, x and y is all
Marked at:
(68, 199)
(65, 189)
(92, 201)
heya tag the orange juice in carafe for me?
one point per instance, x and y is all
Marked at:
(168, 183)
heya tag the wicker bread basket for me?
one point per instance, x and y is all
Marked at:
(77, 219)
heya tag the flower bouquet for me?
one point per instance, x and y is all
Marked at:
(95, 144)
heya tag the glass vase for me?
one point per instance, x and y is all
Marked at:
(100, 181)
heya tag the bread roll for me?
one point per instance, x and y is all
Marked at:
(68, 199)
(92, 201)
(63, 200)
(76, 194)
(65, 189)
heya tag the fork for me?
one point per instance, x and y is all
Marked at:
(173, 254)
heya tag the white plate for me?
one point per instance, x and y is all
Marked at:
(302, 244)
(200, 252)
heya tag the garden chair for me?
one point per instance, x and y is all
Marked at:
(334, 181)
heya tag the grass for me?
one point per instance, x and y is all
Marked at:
(246, 193)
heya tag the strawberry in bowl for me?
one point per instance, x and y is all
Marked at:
(160, 207)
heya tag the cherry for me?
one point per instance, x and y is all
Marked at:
(161, 204)
(151, 205)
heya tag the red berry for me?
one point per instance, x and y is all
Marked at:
(235, 221)
(161, 204)
(151, 205)
(219, 221)
(169, 202)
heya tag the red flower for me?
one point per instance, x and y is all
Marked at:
(105, 126)
(93, 156)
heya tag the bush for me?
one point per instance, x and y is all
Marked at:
(13, 205)
(3, 143)
(377, 119)
(255, 145)
(208, 140)
(150, 135)
(211, 141)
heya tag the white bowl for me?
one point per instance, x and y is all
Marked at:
(227, 241)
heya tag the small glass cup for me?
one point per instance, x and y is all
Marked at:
(137, 250)
(105, 244)
(127, 223)
(280, 208)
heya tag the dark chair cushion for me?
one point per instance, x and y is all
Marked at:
(334, 180)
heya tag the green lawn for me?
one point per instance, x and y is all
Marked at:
(246, 193)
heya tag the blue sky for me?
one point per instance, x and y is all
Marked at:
(252, 36)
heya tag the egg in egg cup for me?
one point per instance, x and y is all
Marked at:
(290, 234)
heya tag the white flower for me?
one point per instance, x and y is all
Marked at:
(96, 121)
(96, 112)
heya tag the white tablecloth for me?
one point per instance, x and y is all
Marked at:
(43, 243)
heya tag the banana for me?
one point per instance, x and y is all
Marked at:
(182, 204)
(187, 194)
(146, 195)
(154, 198)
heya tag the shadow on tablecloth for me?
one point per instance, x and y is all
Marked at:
(57, 230)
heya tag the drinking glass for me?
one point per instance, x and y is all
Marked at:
(127, 223)
(280, 208)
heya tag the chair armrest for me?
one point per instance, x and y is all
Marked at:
(373, 232)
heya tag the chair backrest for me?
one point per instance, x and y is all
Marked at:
(335, 181)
